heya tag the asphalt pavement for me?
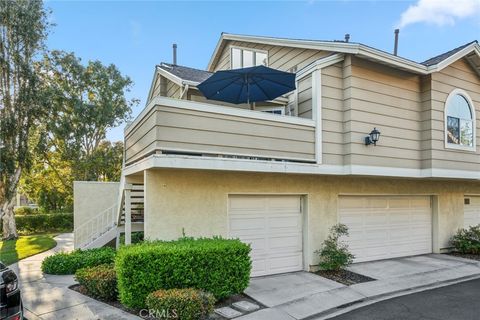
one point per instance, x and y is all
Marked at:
(459, 301)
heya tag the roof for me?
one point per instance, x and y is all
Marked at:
(359, 49)
(437, 59)
(186, 73)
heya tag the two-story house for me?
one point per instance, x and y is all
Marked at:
(280, 176)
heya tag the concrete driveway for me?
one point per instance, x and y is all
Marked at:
(303, 295)
(402, 267)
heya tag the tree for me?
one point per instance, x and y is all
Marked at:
(23, 30)
(86, 101)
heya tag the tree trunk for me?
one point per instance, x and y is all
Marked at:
(8, 219)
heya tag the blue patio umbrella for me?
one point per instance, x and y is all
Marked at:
(247, 85)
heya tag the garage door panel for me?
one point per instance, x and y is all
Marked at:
(273, 227)
(285, 263)
(240, 224)
(386, 226)
(286, 243)
(247, 204)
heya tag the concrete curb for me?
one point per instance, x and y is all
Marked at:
(333, 312)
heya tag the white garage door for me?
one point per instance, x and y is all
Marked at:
(272, 225)
(387, 227)
(471, 211)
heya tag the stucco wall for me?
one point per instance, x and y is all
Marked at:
(90, 198)
(197, 201)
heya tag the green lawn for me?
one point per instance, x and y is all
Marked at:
(25, 246)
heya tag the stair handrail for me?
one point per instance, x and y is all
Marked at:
(94, 227)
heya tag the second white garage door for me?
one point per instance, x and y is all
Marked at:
(387, 227)
(471, 211)
(272, 225)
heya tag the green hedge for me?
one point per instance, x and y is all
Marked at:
(219, 266)
(24, 211)
(44, 222)
(467, 240)
(69, 263)
(185, 304)
(100, 281)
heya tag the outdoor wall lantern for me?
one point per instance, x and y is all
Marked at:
(373, 137)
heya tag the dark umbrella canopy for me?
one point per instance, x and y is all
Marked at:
(247, 85)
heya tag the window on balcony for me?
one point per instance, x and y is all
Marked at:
(459, 121)
(244, 58)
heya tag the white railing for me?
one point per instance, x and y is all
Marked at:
(121, 196)
(93, 228)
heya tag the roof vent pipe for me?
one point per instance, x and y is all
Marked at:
(347, 37)
(174, 54)
(395, 47)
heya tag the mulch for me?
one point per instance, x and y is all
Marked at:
(222, 303)
(345, 277)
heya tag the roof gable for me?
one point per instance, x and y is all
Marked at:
(361, 50)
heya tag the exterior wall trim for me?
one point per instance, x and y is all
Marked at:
(244, 165)
(317, 112)
(320, 64)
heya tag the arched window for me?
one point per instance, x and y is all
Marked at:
(459, 121)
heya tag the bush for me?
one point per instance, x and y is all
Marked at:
(39, 223)
(185, 304)
(219, 266)
(24, 211)
(69, 263)
(467, 241)
(334, 254)
(100, 281)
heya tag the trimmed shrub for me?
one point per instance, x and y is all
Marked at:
(467, 241)
(185, 304)
(334, 254)
(69, 263)
(100, 281)
(219, 266)
(24, 211)
(39, 223)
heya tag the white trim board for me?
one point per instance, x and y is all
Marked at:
(244, 165)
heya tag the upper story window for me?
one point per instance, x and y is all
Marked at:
(244, 58)
(459, 121)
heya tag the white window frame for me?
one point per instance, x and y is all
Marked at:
(272, 108)
(249, 49)
(465, 95)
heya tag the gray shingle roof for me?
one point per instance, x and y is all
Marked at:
(186, 73)
(443, 56)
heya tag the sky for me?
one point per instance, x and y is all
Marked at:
(137, 35)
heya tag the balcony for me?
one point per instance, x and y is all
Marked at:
(173, 126)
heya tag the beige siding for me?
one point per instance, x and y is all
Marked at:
(281, 58)
(171, 129)
(304, 102)
(333, 108)
(458, 75)
(390, 100)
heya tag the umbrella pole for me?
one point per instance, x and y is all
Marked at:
(252, 107)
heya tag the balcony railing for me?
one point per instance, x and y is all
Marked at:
(172, 126)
